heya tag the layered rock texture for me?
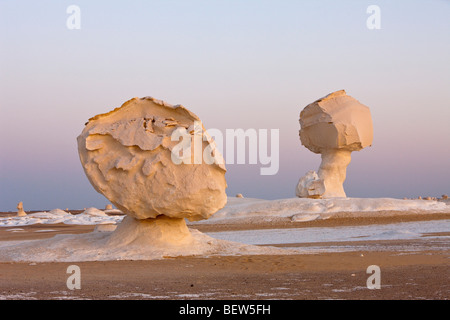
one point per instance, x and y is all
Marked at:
(130, 156)
(333, 126)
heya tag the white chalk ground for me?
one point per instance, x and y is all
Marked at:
(240, 210)
(395, 231)
(91, 216)
(95, 246)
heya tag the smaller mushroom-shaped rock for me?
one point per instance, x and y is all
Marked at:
(333, 126)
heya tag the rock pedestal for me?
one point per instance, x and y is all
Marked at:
(132, 156)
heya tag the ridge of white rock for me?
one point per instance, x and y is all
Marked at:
(127, 156)
(58, 212)
(94, 212)
(333, 126)
(238, 210)
(252, 210)
(310, 186)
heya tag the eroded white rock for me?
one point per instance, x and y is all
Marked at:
(20, 212)
(126, 155)
(310, 186)
(333, 126)
(94, 212)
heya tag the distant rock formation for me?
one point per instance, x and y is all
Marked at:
(333, 126)
(20, 212)
(310, 186)
(128, 156)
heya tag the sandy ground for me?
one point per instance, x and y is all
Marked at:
(414, 274)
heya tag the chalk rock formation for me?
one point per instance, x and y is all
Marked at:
(310, 186)
(94, 212)
(59, 212)
(333, 126)
(20, 212)
(127, 155)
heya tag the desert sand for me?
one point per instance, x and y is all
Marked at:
(415, 271)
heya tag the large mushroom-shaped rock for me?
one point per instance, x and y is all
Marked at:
(333, 126)
(132, 156)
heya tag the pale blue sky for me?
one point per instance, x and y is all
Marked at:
(236, 64)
